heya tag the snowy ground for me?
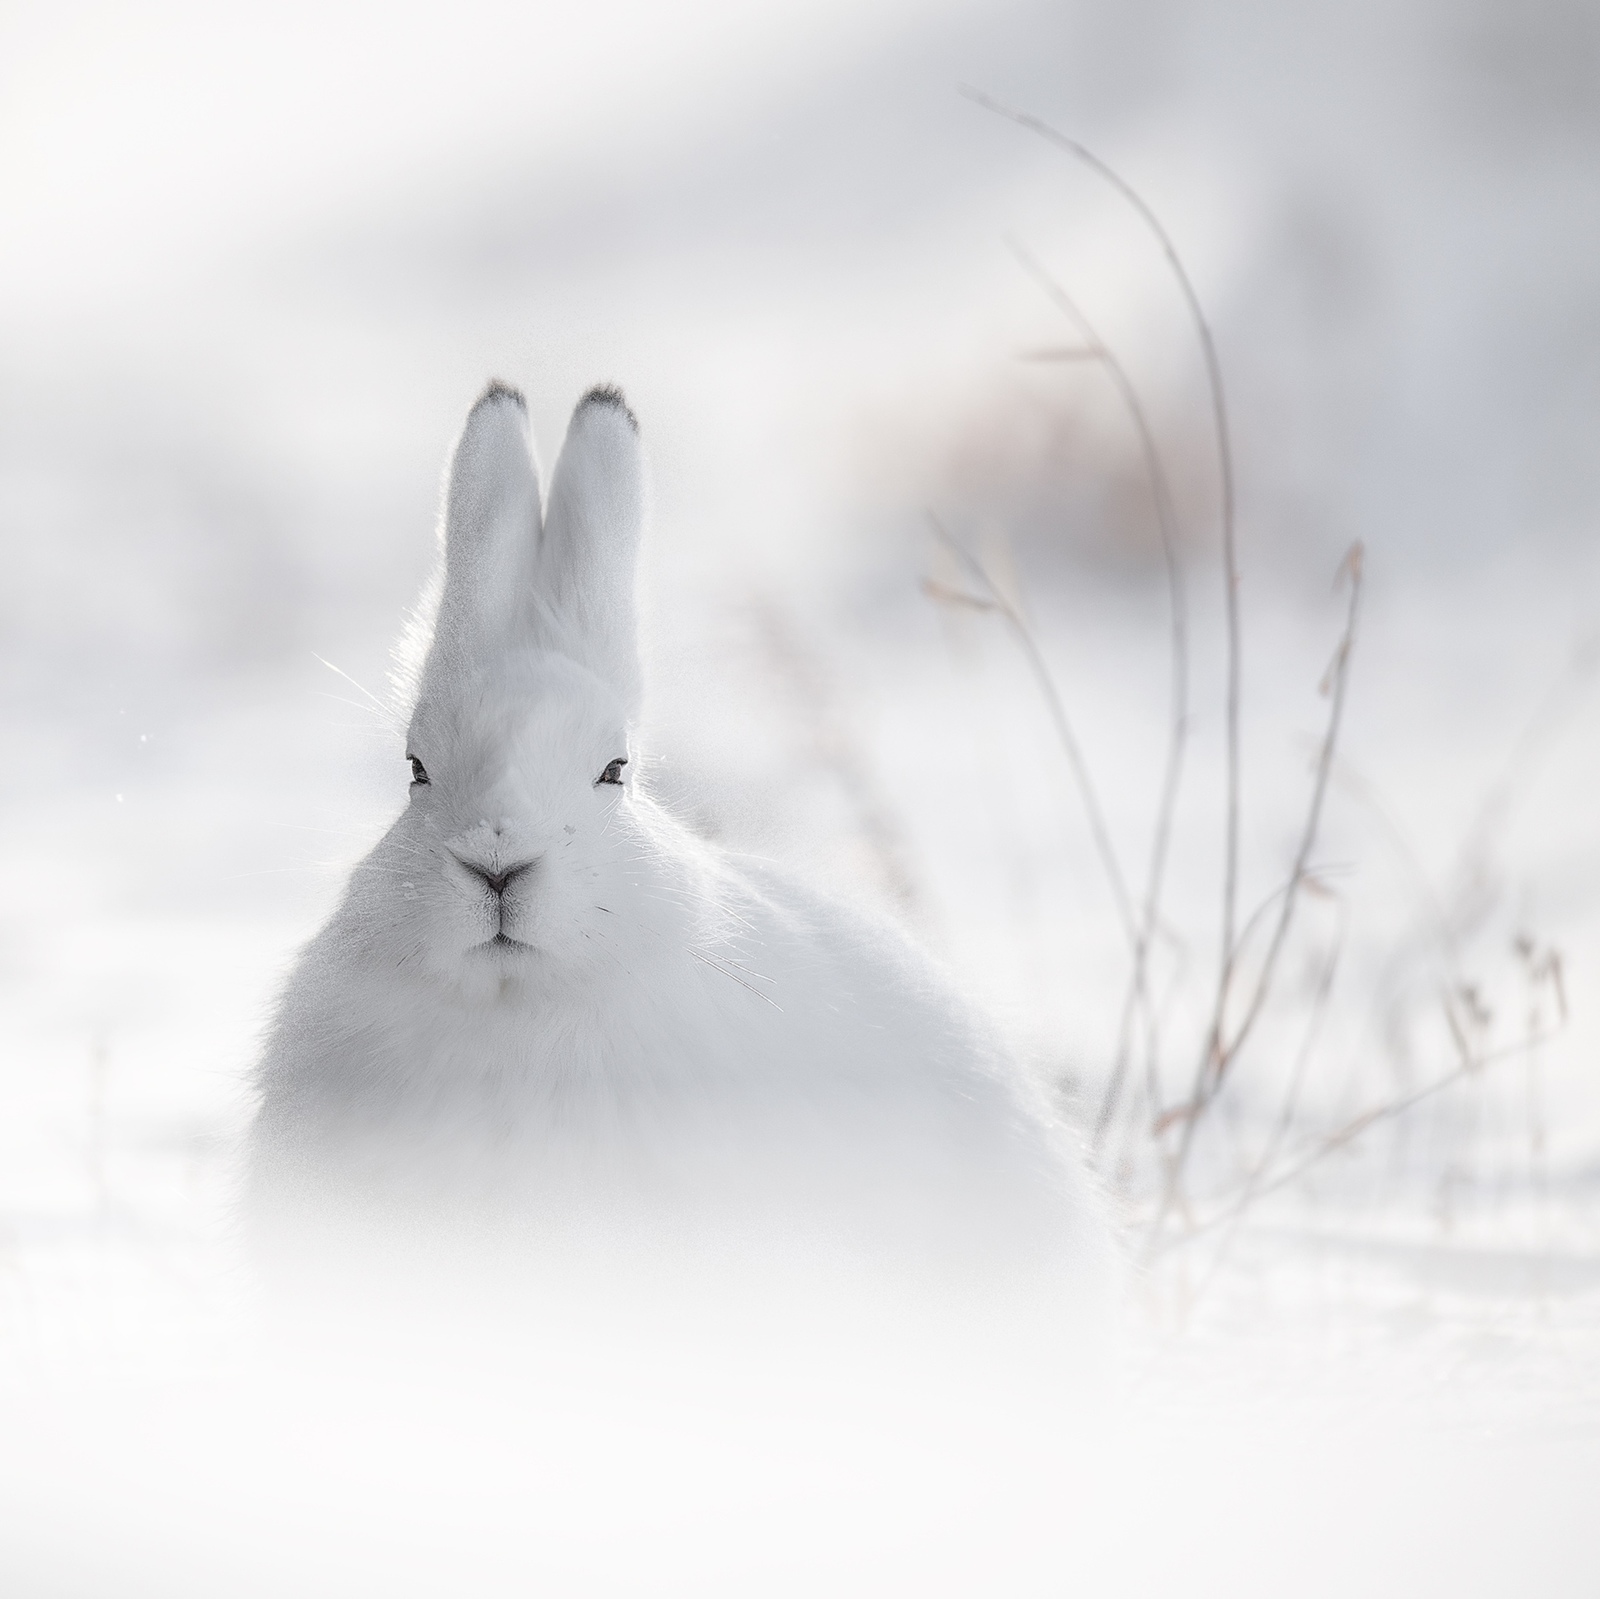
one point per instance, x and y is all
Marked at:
(233, 365)
(1395, 1361)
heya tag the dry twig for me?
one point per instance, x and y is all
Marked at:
(1137, 1000)
(1220, 1057)
(995, 600)
(1219, 415)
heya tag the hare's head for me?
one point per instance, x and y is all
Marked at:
(518, 852)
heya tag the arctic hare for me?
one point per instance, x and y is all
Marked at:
(544, 1007)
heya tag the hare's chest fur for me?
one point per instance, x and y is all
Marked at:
(848, 1099)
(542, 1006)
(803, 1040)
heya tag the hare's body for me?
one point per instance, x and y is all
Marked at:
(544, 1008)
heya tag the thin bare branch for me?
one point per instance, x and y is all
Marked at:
(1137, 1000)
(837, 749)
(1091, 352)
(1214, 1065)
(1338, 679)
(1219, 415)
(1346, 1135)
(1560, 701)
(1051, 695)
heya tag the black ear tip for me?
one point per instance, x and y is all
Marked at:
(495, 393)
(609, 394)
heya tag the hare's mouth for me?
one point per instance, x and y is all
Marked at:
(504, 941)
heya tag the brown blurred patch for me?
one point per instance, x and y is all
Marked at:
(1042, 449)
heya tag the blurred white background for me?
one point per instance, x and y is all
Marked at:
(258, 261)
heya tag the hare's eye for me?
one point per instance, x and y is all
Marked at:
(613, 771)
(419, 772)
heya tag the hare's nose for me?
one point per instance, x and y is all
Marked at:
(498, 881)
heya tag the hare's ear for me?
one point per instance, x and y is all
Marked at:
(490, 529)
(588, 560)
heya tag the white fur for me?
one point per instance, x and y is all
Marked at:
(677, 1051)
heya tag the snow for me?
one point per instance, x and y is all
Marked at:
(257, 292)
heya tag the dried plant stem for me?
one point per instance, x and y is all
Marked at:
(1286, 1114)
(838, 750)
(1137, 999)
(1214, 1065)
(1247, 972)
(1230, 561)
(993, 599)
(1338, 680)
(1431, 909)
(1254, 1189)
